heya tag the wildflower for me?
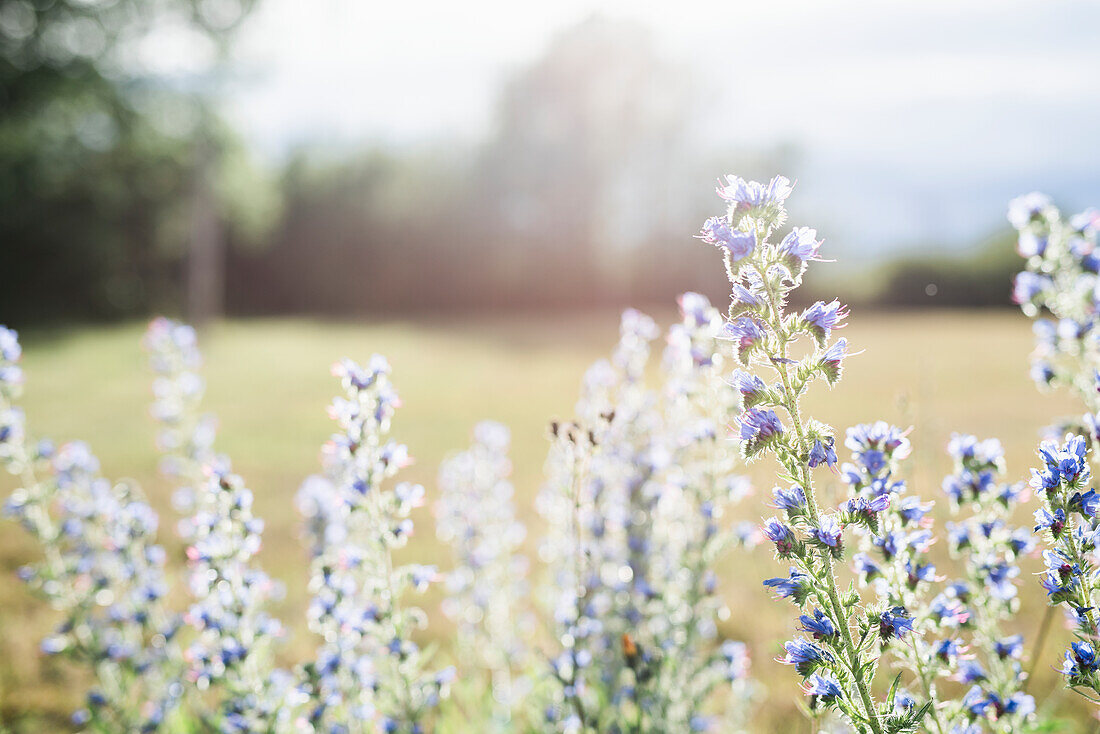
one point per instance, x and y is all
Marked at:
(748, 195)
(822, 453)
(1023, 210)
(781, 535)
(793, 499)
(804, 655)
(819, 626)
(758, 428)
(746, 332)
(751, 387)
(821, 318)
(894, 622)
(831, 360)
(739, 245)
(823, 687)
(1055, 521)
(797, 586)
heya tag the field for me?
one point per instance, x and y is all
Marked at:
(269, 383)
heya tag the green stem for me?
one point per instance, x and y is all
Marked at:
(790, 405)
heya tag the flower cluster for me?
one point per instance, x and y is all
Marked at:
(987, 547)
(1060, 290)
(1068, 523)
(369, 672)
(839, 655)
(101, 568)
(637, 492)
(233, 645)
(475, 516)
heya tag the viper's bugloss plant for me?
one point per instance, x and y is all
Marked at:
(987, 547)
(487, 588)
(787, 351)
(369, 674)
(638, 493)
(231, 653)
(1060, 290)
(101, 569)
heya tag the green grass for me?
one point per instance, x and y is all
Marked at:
(269, 383)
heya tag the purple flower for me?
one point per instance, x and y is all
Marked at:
(823, 687)
(758, 427)
(1046, 520)
(795, 587)
(804, 655)
(894, 622)
(831, 360)
(1085, 503)
(746, 332)
(821, 318)
(1024, 209)
(781, 535)
(822, 453)
(790, 499)
(800, 245)
(745, 195)
(750, 386)
(819, 626)
(1009, 647)
(828, 533)
(716, 231)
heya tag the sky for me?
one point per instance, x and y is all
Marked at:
(913, 123)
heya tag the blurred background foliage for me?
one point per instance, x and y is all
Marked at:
(122, 192)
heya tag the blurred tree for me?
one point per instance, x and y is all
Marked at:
(97, 150)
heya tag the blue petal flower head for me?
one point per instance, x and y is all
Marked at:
(1027, 286)
(10, 351)
(865, 566)
(903, 701)
(828, 532)
(743, 297)
(1031, 244)
(948, 650)
(1086, 503)
(832, 358)
(866, 508)
(745, 195)
(1041, 373)
(793, 498)
(716, 231)
(735, 658)
(824, 687)
(821, 318)
(1009, 647)
(819, 626)
(913, 510)
(759, 425)
(804, 655)
(822, 453)
(970, 672)
(1023, 210)
(745, 331)
(796, 587)
(800, 245)
(1046, 520)
(781, 535)
(894, 622)
(1080, 661)
(750, 386)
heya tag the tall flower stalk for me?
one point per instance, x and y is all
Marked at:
(987, 547)
(369, 674)
(231, 652)
(101, 568)
(840, 661)
(475, 516)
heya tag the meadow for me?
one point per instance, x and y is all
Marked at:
(269, 383)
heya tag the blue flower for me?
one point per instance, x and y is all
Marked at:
(831, 360)
(822, 453)
(1046, 520)
(804, 655)
(796, 587)
(970, 671)
(758, 427)
(793, 499)
(828, 532)
(750, 386)
(948, 650)
(1085, 503)
(821, 318)
(819, 626)
(781, 535)
(1009, 647)
(894, 622)
(747, 195)
(824, 687)
(799, 246)
(716, 231)
(1025, 209)
(1028, 285)
(1080, 661)
(746, 331)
